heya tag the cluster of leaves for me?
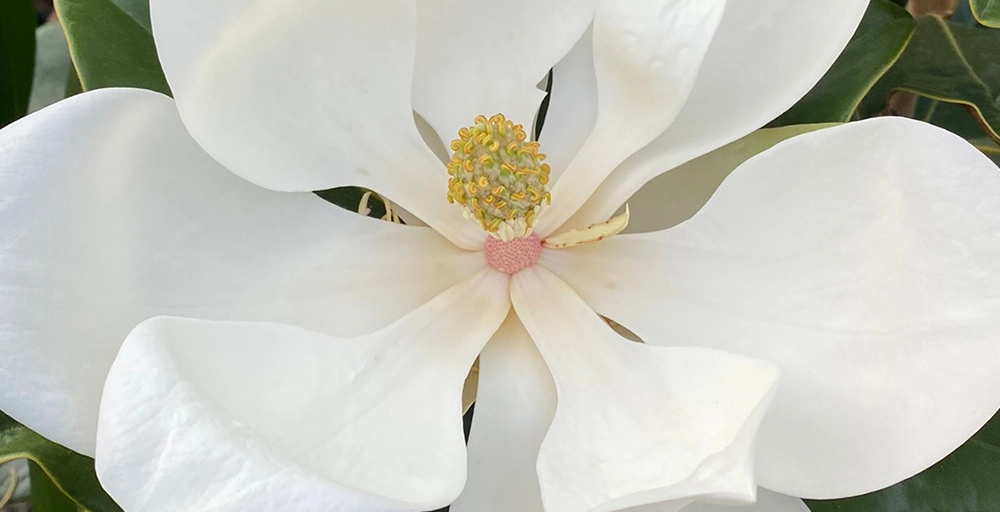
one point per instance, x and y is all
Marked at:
(946, 72)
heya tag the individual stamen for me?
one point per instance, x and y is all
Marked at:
(389, 216)
(591, 234)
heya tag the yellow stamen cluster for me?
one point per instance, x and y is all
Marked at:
(498, 177)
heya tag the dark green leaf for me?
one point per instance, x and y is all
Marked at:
(17, 57)
(138, 10)
(949, 116)
(46, 496)
(950, 63)
(73, 85)
(878, 42)
(986, 12)
(111, 43)
(965, 481)
(71, 472)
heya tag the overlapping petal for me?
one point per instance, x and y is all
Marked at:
(112, 214)
(200, 416)
(480, 57)
(646, 59)
(637, 424)
(865, 261)
(675, 196)
(572, 108)
(766, 54)
(514, 406)
(307, 102)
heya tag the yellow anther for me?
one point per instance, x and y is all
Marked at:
(497, 176)
(494, 225)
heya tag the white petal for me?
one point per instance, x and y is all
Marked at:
(637, 424)
(479, 57)
(865, 261)
(765, 56)
(112, 214)
(307, 101)
(206, 416)
(646, 59)
(572, 106)
(767, 501)
(675, 196)
(514, 407)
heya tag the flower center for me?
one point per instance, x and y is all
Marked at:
(498, 178)
(513, 255)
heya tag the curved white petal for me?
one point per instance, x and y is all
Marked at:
(307, 101)
(200, 416)
(112, 214)
(767, 501)
(646, 59)
(637, 424)
(675, 196)
(865, 261)
(766, 54)
(572, 106)
(514, 406)
(478, 57)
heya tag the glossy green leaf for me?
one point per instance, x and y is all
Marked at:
(71, 472)
(986, 12)
(73, 85)
(111, 43)
(46, 496)
(877, 44)
(138, 10)
(17, 57)
(950, 63)
(968, 480)
(950, 116)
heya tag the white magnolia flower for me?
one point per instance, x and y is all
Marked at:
(313, 359)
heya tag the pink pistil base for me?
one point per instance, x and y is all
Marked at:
(512, 256)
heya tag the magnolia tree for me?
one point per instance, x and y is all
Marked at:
(555, 218)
